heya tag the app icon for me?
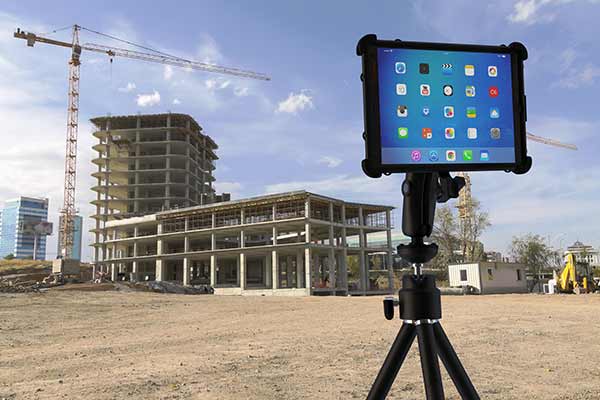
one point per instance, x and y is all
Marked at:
(426, 133)
(495, 133)
(449, 133)
(492, 71)
(468, 155)
(469, 70)
(484, 155)
(472, 133)
(470, 91)
(449, 111)
(471, 112)
(402, 111)
(401, 89)
(424, 68)
(425, 111)
(400, 68)
(447, 69)
(493, 91)
(433, 156)
(450, 155)
(448, 90)
(425, 90)
(494, 112)
(402, 133)
(415, 155)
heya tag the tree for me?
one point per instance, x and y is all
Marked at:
(458, 242)
(470, 232)
(535, 253)
(9, 256)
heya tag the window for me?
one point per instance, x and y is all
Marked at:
(463, 275)
(518, 274)
(490, 274)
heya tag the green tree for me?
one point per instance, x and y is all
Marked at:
(535, 253)
(470, 232)
(9, 256)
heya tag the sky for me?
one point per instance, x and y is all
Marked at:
(302, 129)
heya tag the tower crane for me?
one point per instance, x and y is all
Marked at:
(68, 210)
(465, 200)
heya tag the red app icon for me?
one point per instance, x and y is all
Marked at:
(427, 133)
(493, 91)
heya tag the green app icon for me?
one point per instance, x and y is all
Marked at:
(402, 133)
(468, 155)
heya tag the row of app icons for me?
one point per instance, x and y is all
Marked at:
(449, 133)
(471, 112)
(433, 155)
(447, 69)
(447, 90)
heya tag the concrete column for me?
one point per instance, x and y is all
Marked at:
(113, 272)
(307, 208)
(242, 239)
(364, 273)
(159, 247)
(186, 271)
(274, 234)
(330, 212)
(307, 232)
(213, 271)
(242, 270)
(269, 271)
(274, 211)
(307, 266)
(242, 214)
(332, 265)
(214, 220)
(159, 270)
(344, 269)
(134, 271)
(299, 270)
(275, 269)
(213, 241)
(186, 244)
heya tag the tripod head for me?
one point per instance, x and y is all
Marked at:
(421, 191)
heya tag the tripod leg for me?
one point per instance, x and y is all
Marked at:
(393, 362)
(453, 365)
(429, 362)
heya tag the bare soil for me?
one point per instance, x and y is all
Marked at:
(132, 345)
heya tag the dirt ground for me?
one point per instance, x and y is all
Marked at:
(114, 345)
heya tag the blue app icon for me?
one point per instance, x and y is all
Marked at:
(433, 156)
(425, 111)
(447, 69)
(400, 68)
(494, 112)
(484, 155)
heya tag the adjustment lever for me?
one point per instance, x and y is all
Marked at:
(388, 307)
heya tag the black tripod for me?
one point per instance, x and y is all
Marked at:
(419, 299)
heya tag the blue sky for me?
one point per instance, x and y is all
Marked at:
(303, 128)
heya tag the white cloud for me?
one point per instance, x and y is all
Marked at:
(531, 11)
(234, 188)
(240, 91)
(168, 72)
(127, 88)
(147, 100)
(210, 83)
(581, 77)
(330, 161)
(296, 102)
(176, 101)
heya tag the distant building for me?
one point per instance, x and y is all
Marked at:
(16, 221)
(489, 277)
(585, 254)
(77, 232)
(493, 256)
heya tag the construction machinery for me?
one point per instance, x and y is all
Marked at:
(574, 278)
(69, 210)
(465, 204)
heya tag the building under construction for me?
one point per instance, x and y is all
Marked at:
(294, 243)
(147, 164)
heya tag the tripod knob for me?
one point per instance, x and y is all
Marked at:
(388, 307)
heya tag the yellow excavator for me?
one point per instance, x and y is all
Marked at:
(574, 278)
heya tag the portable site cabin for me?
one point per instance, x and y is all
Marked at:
(489, 277)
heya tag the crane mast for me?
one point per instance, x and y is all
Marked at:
(69, 210)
